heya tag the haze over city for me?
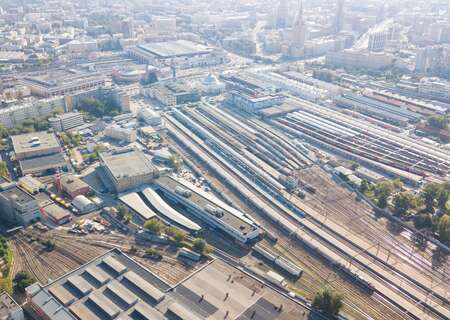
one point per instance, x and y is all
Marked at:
(233, 159)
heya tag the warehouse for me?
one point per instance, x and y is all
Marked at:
(97, 289)
(56, 214)
(35, 144)
(209, 209)
(74, 186)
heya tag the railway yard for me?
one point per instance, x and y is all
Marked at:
(333, 236)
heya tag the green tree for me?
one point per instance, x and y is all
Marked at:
(154, 226)
(122, 211)
(442, 198)
(429, 194)
(328, 302)
(364, 187)
(175, 162)
(3, 169)
(444, 228)
(438, 122)
(22, 280)
(402, 203)
(383, 191)
(200, 245)
(422, 221)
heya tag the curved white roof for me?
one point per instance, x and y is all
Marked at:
(81, 202)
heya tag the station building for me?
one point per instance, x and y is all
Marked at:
(209, 209)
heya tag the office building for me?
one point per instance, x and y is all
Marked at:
(63, 82)
(338, 22)
(377, 40)
(9, 308)
(18, 206)
(251, 103)
(66, 121)
(127, 169)
(149, 117)
(359, 59)
(281, 20)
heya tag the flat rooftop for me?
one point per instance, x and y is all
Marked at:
(35, 141)
(7, 304)
(39, 164)
(128, 163)
(113, 286)
(175, 48)
(201, 199)
(18, 195)
(62, 77)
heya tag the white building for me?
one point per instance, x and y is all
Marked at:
(150, 117)
(83, 204)
(435, 88)
(66, 121)
(16, 114)
(359, 59)
(118, 133)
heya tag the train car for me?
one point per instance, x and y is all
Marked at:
(189, 254)
(309, 188)
(263, 252)
(289, 267)
(270, 236)
(13, 231)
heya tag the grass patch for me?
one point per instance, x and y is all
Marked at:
(6, 280)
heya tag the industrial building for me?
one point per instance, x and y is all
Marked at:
(83, 204)
(150, 117)
(72, 185)
(116, 132)
(113, 286)
(127, 169)
(56, 214)
(209, 209)
(30, 184)
(66, 121)
(17, 206)
(35, 144)
(37, 152)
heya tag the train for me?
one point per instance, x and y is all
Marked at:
(279, 261)
(189, 254)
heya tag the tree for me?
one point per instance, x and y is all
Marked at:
(383, 191)
(364, 187)
(402, 203)
(355, 165)
(154, 226)
(444, 228)
(3, 169)
(429, 195)
(175, 162)
(179, 236)
(22, 280)
(328, 302)
(438, 122)
(423, 221)
(122, 211)
(442, 198)
(200, 245)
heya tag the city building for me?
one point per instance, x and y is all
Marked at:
(116, 132)
(251, 103)
(377, 40)
(339, 17)
(211, 85)
(149, 117)
(66, 121)
(359, 59)
(114, 286)
(16, 113)
(30, 184)
(9, 308)
(209, 209)
(72, 185)
(37, 152)
(282, 15)
(435, 88)
(182, 54)
(56, 214)
(127, 169)
(35, 144)
(18, 206)
(83, 204)
(63, 82)
(171, 93)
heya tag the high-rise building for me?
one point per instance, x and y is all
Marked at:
(338, 23)
(282, 13)
(127, 28)
(299, 29)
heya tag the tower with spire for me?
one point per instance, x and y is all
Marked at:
(338, 23)
(282, 14)
(299, 28)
